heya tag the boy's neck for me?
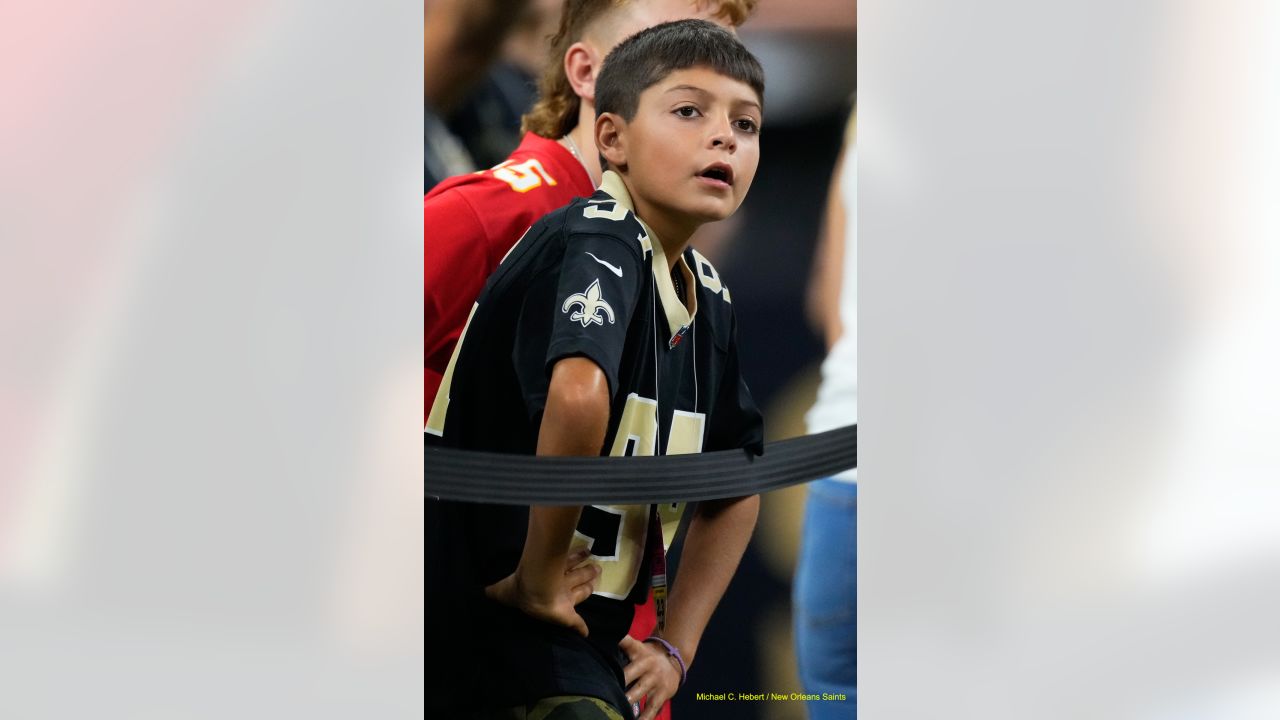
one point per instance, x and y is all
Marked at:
(672, 234)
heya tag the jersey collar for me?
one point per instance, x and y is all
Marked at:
(679, 317)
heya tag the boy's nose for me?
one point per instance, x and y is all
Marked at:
(724, 137)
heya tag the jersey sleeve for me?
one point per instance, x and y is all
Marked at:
(736, 422)
(595, 298)
(455, 259)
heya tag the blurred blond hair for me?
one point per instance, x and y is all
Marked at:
(556, 112)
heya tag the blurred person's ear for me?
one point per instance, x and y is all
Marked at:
(611, 139)
(581, 65)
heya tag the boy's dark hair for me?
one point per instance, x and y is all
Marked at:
(644, 59)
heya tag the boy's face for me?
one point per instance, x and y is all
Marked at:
(692, 148)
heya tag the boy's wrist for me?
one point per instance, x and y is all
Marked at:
(674, 655)
(532, 585)
(688, 647)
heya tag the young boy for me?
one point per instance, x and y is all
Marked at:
(471, 221)
(602, 333)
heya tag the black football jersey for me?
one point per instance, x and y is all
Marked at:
(587, 280)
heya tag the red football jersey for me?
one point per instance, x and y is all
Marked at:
(469, 224)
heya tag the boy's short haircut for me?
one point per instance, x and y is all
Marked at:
(556, 112)
(644, 59)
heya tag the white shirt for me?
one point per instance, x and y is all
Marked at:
(837, 403)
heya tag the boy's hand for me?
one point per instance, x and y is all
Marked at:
(651, 672)
(551, 604)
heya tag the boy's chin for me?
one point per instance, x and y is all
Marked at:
(714, 213)
(699, 214)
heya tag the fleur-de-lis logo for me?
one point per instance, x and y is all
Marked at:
(591, 305)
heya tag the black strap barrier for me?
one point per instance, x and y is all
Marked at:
(523, 480)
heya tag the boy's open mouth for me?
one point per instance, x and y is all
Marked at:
(720, 172)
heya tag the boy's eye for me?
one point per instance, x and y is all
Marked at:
(747, 125)
(687, 111)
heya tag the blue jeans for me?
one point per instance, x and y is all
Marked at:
(825, 598)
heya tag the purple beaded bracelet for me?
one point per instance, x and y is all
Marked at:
(672, 651)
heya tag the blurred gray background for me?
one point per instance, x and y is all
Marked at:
(210, 253)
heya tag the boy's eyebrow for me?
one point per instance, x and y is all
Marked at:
(701, 91)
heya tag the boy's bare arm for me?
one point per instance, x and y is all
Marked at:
(573, 423)
(713, 547)
(577, 412)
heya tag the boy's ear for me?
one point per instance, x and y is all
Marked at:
(611, 139)
(581, 65)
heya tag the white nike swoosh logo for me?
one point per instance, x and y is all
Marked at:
(615, 269)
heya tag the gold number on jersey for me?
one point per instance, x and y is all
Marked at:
(523, 177)
(616, 536)
(597, 209)
(639, 425)
(687, 429)
(637, 435)
(686, 433)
